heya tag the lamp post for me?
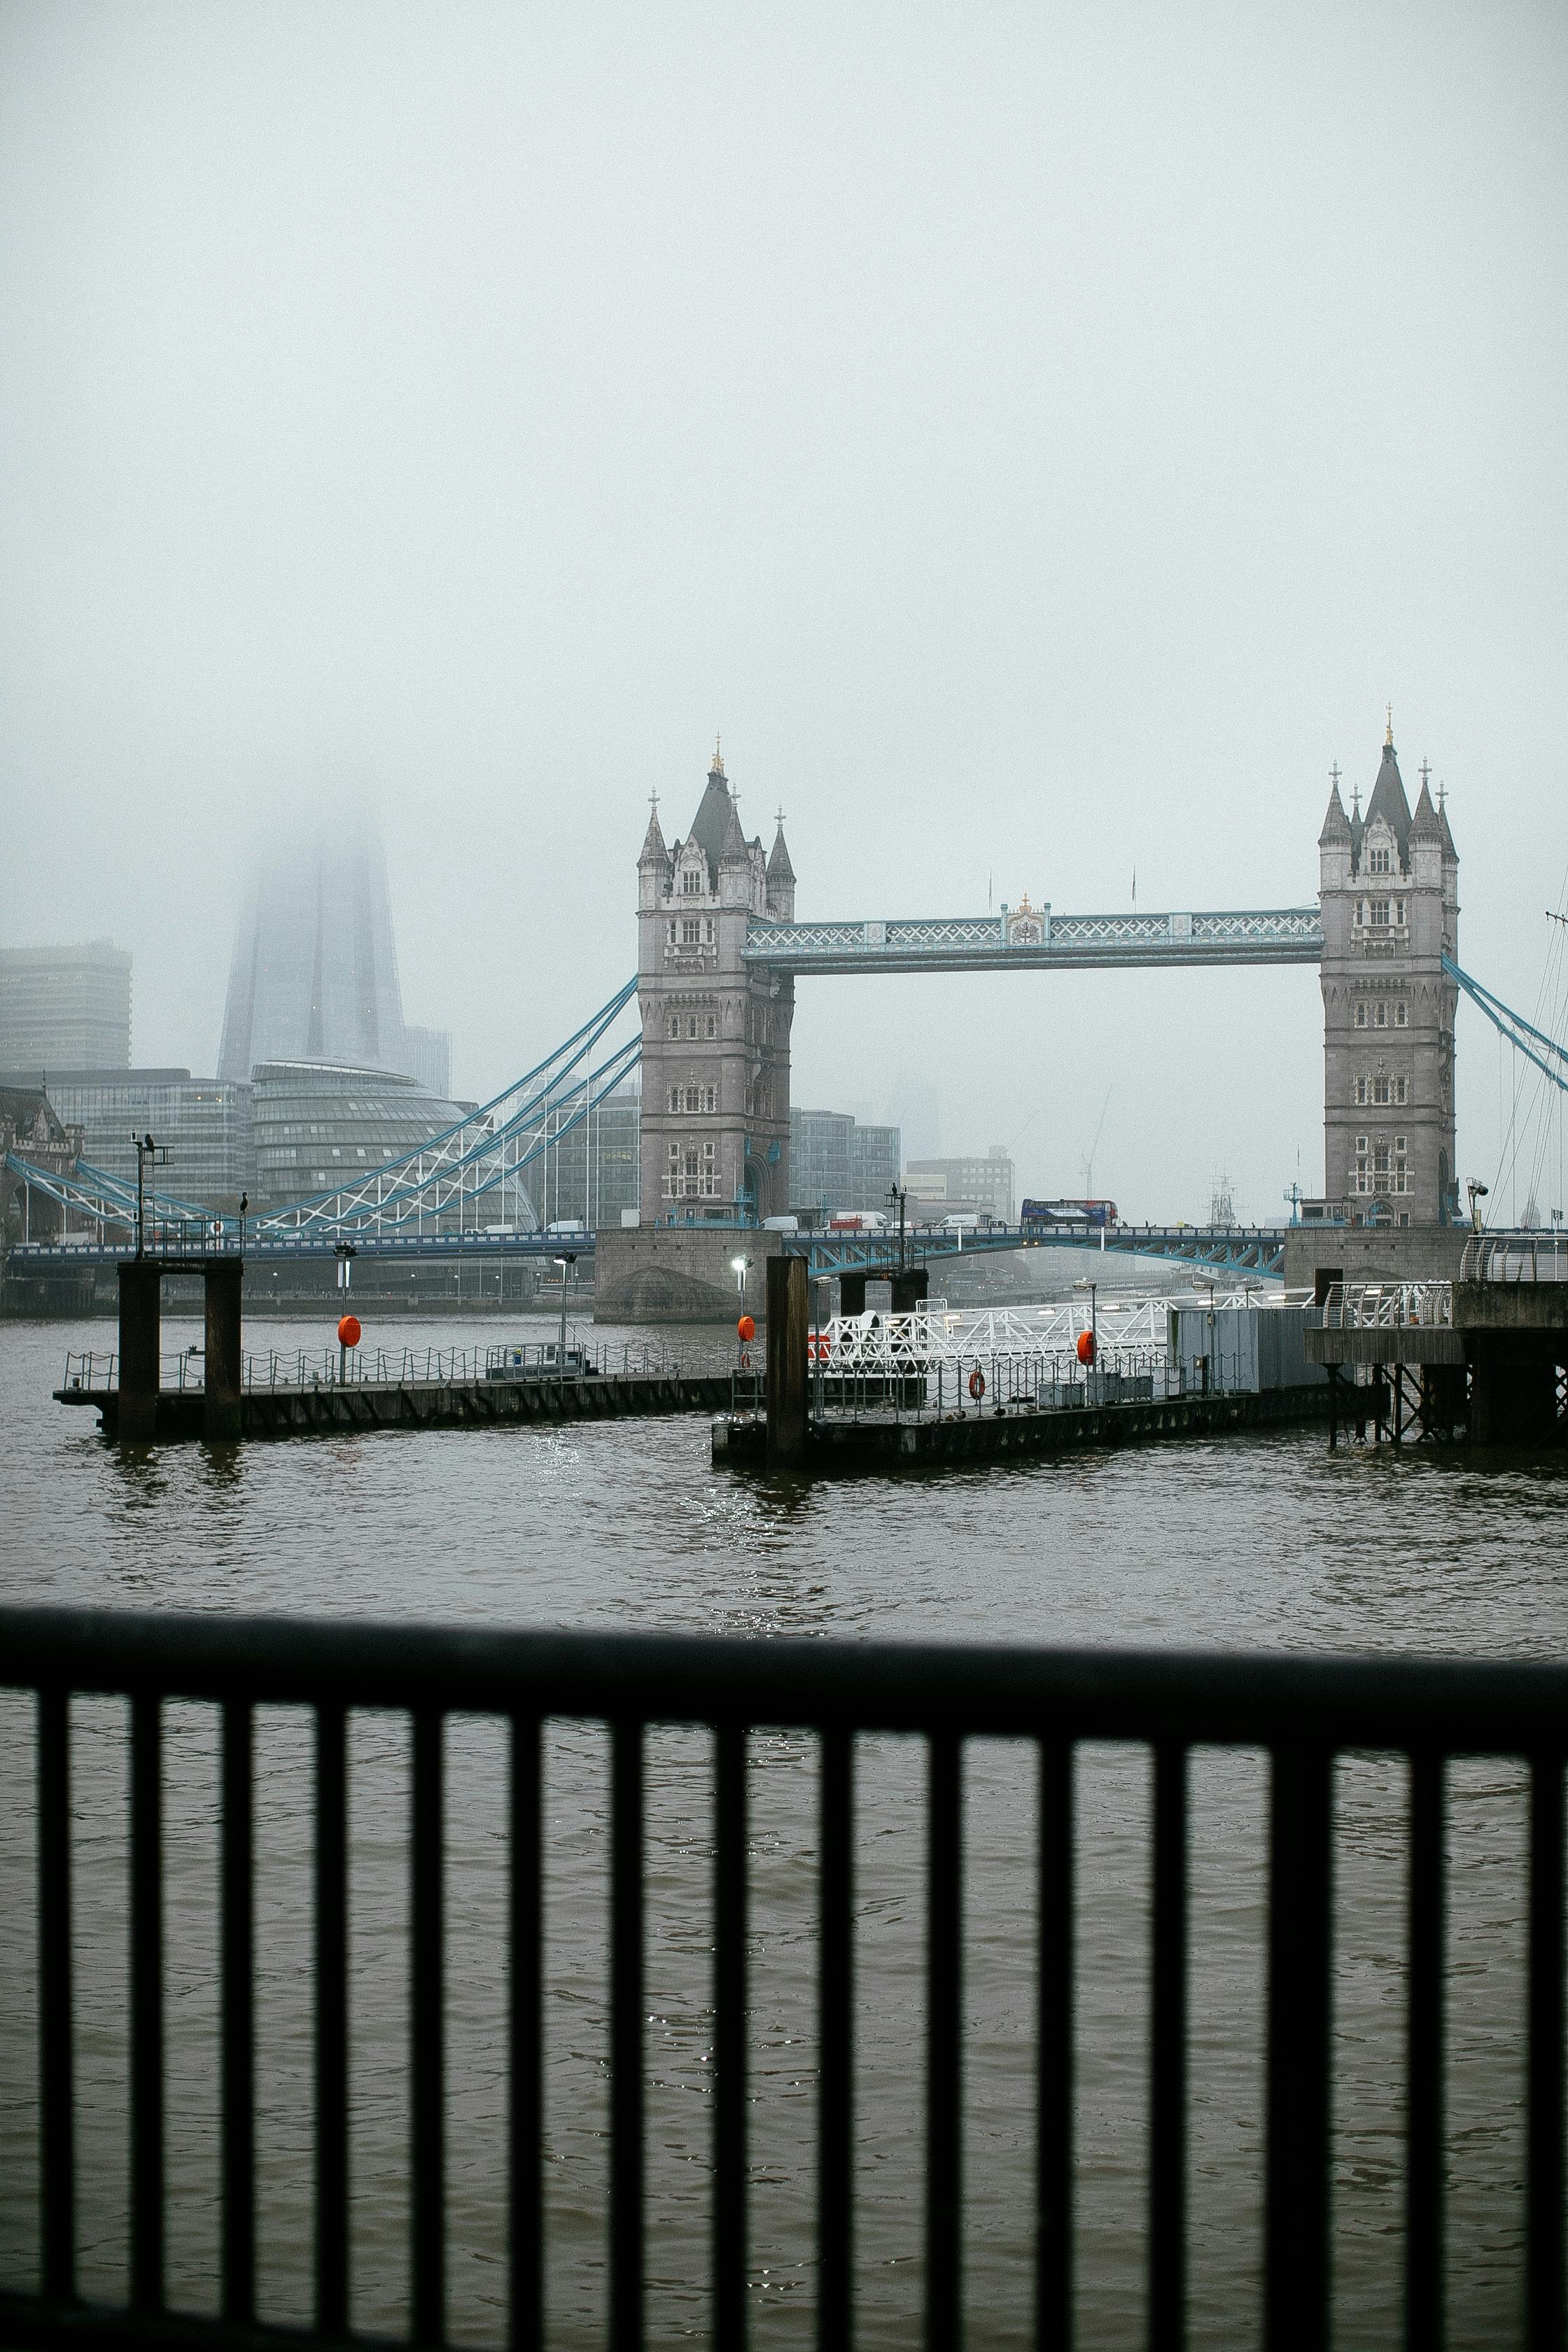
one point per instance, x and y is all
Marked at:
(740, 1267)
(1478, 1193)
(157, 1153)
(897, 1193)
(568, 1260)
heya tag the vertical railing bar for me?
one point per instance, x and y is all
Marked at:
(56, 2072)
(1168, 2066)
(626, 2038)
(1053, 2157)
(835, 2206)
(1424, 2109)
(332, 2024)
(147, 2003)
(944, 2068)
(1296, 2255)
(1544, 2190)
(239, 2022)
(527, 2034)
(429, 2032)
(730, 2151)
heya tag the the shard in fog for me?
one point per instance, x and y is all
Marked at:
(314, 976)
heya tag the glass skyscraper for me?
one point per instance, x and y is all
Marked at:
(314, 976)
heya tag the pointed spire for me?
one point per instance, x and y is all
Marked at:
(1336, 825)
(1388, 801)
(779, 867)
(1425, 825)
(718, 766)
(733, 844)
(654, 852)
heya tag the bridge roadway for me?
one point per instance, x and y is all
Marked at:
(1257, 1249)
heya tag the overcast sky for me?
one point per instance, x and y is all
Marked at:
(1040, 441)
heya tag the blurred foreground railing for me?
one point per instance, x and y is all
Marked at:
(1301, 1711)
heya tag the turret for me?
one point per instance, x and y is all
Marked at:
(1426, 841)
(1334, 840)
(779, 879)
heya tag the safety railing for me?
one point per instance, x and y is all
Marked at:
(1384, 1306)
(1515, 1257)
(362, 1367)
(1301, 1713)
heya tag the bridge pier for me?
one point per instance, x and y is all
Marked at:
(851, 1294)
(141, 1303)
(910, 1289)
(222, 1286)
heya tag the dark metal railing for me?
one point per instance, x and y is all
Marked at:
(1303, 1712)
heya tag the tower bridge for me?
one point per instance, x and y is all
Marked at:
(720, 951)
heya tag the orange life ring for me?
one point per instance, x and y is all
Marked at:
(977, 1383)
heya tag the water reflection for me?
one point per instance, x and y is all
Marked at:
(1270, 1542)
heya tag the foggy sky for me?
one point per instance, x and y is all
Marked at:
(1041, 442)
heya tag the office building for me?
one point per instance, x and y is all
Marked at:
(314, 975)
(203, 1123)
(428, 1058)
(591, 1171)
(65, 1008)
(967, 1183)
(836, 1163)
(316, 1125)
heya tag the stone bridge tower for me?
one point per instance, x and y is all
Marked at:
(1390, 898)
(715, 1029)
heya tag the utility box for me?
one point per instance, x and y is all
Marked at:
(1227, 1349)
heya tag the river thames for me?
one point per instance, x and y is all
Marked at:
(1251, 1542)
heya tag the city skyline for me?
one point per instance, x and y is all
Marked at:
(1177, 419)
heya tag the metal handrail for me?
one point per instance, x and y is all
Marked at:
(1300, 1710)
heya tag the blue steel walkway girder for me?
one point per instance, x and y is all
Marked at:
(1036, 939)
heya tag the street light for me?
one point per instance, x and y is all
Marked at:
(1478, 1193)
(740, 1267)
(569, 1259)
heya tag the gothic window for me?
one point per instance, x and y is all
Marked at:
(691, 882)
(691, 1024)
(1379, 1093)
(1400, 1015)
(1378, 863)
(1401, 1090)
(1399, 910)
(675, 1103)
(710, 1025)
(1361, 1015)
(1380, 1159)
(1361, 910)
(708, 930)
(674, 1030)
(1377, 913)
(690, 931)
(1380, 1017)
(671, 937)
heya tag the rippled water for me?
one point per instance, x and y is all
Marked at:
(1256, 1542)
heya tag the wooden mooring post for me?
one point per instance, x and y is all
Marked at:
(789, 1323)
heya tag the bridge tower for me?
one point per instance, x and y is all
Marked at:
(1390, 896)
(715, 1100)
